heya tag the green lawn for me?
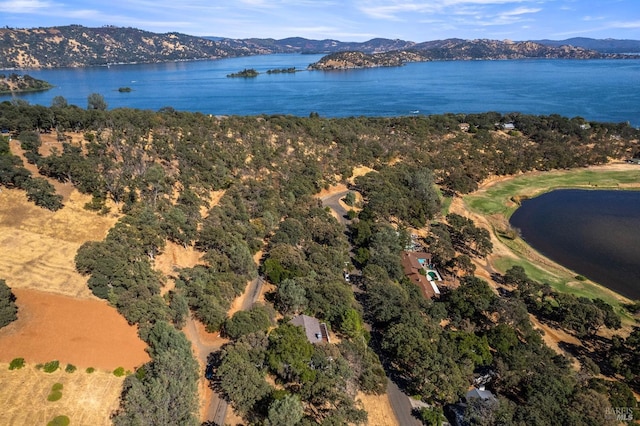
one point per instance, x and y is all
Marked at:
(497, 199)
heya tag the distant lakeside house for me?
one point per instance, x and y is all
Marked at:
(315, 331)
(416, 266)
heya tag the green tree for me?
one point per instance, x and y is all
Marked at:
(289, 354)
(165, 391)
(240, 379)
(43, 194)
(95, 101)
(258, 318)
(8, 308)
(352, 324)
(285, 412)
(59, 102)
(292, 297)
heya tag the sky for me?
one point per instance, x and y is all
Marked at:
(343, 20)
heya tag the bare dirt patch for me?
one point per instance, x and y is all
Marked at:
(378, 408)
(85, 333)
(87, 399)
(175, 257)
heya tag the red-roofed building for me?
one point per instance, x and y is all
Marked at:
(415, 264)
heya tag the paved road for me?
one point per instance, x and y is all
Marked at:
(217, 409)
(399, 401)
(401, 405)
(252, 291)
(333, 202)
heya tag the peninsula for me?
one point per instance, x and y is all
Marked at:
(15, 83)
(457, 50)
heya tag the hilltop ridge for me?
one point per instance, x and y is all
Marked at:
(79, 46)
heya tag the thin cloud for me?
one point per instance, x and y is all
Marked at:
(521, 11)
(25, 6)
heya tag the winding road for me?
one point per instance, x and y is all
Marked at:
(216, 410)
(399, 401)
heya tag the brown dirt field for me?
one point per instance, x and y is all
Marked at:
(87, 399)
(39, 246)
(85, 333)
(379, 409)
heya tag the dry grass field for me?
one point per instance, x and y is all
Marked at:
(38, 246)
(58, 317)
(87, 399)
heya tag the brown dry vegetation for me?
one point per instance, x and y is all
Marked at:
(39, 246)
(87, 399)
(175, 257)
(378, 409)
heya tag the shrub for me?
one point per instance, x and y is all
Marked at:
(581, 278)
(55, 393)
(350, 198)
(70, 368)
(90, 370)
(59, 421)
(54, 396)
(16, 364)
(51, 366)
(119, 372)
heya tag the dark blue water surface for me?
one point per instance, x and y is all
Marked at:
(600, 90)
(595, 233)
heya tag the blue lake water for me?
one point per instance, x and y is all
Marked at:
(595, 233)
(601, 90)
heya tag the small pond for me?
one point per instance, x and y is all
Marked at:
(595, 233)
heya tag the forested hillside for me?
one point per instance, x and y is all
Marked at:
(160, 168)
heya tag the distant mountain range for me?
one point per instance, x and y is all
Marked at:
(77, 46)
(608, 45)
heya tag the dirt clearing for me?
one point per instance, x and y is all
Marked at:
(379, 409)
(85, 333)
(87, 399)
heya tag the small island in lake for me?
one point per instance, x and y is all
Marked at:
(246, 73)
(290, 70)
(16, 83)
(124, 89)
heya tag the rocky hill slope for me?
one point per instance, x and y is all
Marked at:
(456, 49)
(76, 46)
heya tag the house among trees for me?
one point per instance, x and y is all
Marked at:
(415, 265)
(315, 330)
(480, 393)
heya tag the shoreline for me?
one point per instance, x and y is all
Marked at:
(516, 251)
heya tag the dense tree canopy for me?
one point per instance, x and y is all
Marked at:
(8, 308)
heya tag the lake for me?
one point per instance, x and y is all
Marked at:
(594, 233)
(599, 90)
